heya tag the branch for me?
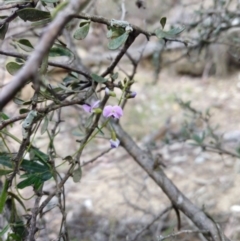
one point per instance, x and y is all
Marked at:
(45, 110)
(50, 63)
(146, 161)
(31, 67)
(181, 232)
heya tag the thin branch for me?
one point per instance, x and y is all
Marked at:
(45, 110)
(130, 40)
(182, 232)
(50, 63)
(146, 161)
(152, 222)
(95, 158)
(31, 67)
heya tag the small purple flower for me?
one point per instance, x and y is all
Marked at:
(131, 95)
(114, 143)
(112, 111)
(90, 108)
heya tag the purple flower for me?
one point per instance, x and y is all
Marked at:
(132, 94)
(112, 111)
(114, 143)
(90, 108)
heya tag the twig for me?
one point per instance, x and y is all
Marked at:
(182, 232)
(45, 110)
(31, 66)
(146, 161)
(153, 221)
(95, 158)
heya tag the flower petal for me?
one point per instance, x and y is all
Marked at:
(108, 111)
(87, 108)
(118, 112)
(114, 143)
(95, 104)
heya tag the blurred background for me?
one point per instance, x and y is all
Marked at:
(184, 88)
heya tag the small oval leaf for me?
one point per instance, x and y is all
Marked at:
(82, 31)
(98, 78)
(77, 175)
(117, 42)
(13, 67)
(58, 50)
(163, 21)
(25, 45)
(32, 14)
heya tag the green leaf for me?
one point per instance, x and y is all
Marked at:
(28, 182)
(44, 125)
(18, 101)
(13, 67)
(23, 111)
(168, 34)
(77, 175)
(58, 50)
(4, 230)
(6, 160)
(114, 32)
(4, 172)
(117, 42)
(32, 14)
(25, 45)
(41, 156)
(3, 116)
(82, 31)
(3, 30)
(4, 194)
(98, 78)
(163, 21)
(114, 76)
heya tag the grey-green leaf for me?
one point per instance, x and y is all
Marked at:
(82, 31)
(77, 175)
(13, 67)
(32, 14)
(58, 50)
(117, 42)
(163, 21)
(168, 34)
(25, 45)
(3, 30)
(98, 78)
